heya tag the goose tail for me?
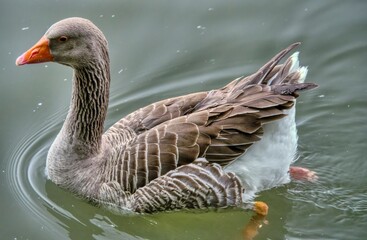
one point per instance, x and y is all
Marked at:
(274, 74)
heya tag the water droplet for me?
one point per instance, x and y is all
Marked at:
(321, 96)
(65, 79)
(210, 9)
(113, 15)
(39, 104)
(9, 53)
(178, 51)
(46, 66)
(101, 15)
(25, 28)
(120, 71)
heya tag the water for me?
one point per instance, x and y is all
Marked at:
(162, 49)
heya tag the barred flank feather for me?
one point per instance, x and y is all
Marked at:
(197, 185)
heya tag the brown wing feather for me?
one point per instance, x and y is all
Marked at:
(154, 114)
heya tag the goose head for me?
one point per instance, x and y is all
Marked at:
(75, 42)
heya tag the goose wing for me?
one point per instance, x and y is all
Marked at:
(159, 112)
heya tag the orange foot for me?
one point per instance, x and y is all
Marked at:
(260, 208)
(303, 174)
(253, 226)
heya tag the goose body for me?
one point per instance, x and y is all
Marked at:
(206, 149)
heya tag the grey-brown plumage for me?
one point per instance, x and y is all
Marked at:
(197, 185)
(151, 160)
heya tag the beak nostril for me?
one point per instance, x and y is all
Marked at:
(34, 52)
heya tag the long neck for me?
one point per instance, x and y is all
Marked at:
(83, 127)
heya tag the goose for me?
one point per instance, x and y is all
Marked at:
(203, 150)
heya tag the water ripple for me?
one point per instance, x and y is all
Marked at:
(27, 178)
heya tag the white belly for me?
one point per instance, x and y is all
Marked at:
(266, 163)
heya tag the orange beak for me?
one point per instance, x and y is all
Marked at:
(40, 52)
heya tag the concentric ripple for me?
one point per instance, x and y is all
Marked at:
(27, 178)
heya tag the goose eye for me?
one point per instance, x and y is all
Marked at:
(63, 39)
